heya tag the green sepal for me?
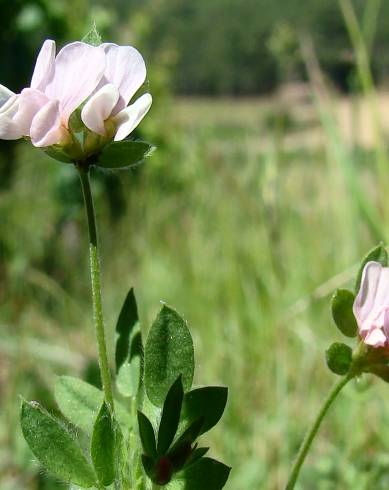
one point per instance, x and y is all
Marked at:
(376, 254)
(208, 402)
(76, 124)
(58, 154)
(103, 446)
(339, 358)
(147, 436)
(342, 312)
(170, 416)
(168, 353)
(124, 154)
(127, 320)
(92, 37)
(206, 473)
(54, 446)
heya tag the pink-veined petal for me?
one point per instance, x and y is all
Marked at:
(46, 128)
(44, 66)
(31, 102)
(129, 118)
(375, 338)
(364, 307)
(126, 69)
(99, 107)
(5, 95)
(78, 69)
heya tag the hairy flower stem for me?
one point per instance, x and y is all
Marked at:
(96, 289)
(310, 435)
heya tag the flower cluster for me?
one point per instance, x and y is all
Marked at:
(100, 81)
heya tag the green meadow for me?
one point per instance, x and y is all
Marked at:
(246, 218)
(269, 182)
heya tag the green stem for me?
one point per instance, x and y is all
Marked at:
(309, 437)
(96, 289)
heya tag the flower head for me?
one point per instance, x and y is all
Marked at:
(371, 305)
(102, 79)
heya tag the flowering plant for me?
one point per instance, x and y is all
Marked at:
(141, 430)
(364, 315)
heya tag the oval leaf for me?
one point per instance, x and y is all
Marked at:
(147, 436)
(168, 353)
(103, 446)
(54, 447)
(124, 154)
(208, 402)
(206, 473)
(127, 320)
(342, 312)
(170, 416)
(339, 358)
(376, 254)
(78, 400)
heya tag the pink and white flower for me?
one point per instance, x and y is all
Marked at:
(371, 305)
(124, 74)
(109, 75)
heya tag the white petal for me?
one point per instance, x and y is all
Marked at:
(10, 108)
(375, 338)
(79, 68)
(44, 66)
(5, 95)
(99, 107)
(31, 102)
(373, 295)
(126, 69)
(129, 118)
(46, 127)
(8, 129)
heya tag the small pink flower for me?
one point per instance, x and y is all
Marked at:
(371, 306)
(59, 85)
(124, 74)
(105, 78)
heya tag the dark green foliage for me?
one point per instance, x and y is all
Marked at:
(182, 449)
(168, 354)
(147, 436)
(127, 320)
(208, 402)
(206, 474)
(339, 358)
(170, 416)
(342, 312)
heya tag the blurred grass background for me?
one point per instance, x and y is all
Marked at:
(269, 182)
